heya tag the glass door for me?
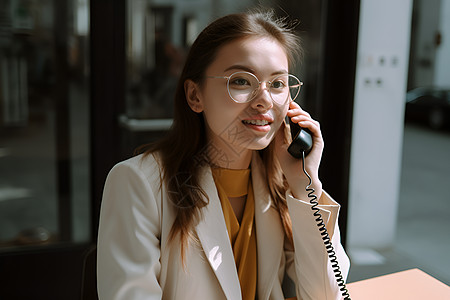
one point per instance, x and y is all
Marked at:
(44, 125)
(44, 138)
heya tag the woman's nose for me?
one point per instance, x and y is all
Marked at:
(262, 99)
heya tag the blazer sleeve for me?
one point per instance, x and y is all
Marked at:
(128, 253)
(309, 265)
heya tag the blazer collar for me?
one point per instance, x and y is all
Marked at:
(213, 236)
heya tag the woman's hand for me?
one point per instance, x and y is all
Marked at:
(291, 166)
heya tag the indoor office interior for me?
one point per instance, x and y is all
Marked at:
(83, 83)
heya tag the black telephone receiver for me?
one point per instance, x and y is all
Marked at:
(301, 140)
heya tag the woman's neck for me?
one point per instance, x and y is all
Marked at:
(230, 159)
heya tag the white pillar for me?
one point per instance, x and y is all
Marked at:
(378, 113)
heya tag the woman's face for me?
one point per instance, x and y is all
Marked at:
(236, 128)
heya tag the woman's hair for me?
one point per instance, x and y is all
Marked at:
(183, 150)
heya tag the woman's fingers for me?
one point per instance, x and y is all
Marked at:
(303, 118)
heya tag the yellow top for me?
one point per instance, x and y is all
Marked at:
(237, 183)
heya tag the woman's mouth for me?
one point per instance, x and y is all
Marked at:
(258, 125)
(256, 122)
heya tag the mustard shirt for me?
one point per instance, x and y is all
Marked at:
(237, 183)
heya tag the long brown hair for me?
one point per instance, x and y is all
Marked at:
(183, 150)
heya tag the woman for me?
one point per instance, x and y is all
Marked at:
(218, 209)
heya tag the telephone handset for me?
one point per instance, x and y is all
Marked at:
(301, 140)
(299, 148)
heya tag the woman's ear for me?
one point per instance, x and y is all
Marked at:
(193, 96)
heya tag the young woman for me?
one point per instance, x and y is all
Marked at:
(218, 209)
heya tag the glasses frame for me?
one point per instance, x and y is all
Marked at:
(269, 83)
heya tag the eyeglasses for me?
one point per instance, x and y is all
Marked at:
(244, 86)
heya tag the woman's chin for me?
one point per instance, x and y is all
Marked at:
(259, 144)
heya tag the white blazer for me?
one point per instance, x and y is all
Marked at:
(136, 262)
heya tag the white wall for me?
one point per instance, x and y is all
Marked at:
(381, 76)
(442, 67)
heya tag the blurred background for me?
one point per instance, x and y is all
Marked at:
(84, 82)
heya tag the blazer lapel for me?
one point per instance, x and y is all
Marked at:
(213, 235)
(269, 231)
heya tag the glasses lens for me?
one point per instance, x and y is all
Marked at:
(284, 87)
(241, 86)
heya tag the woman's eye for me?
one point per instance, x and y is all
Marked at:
(240, 81)
(278, 84)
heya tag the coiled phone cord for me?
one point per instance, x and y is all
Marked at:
(325, 236)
